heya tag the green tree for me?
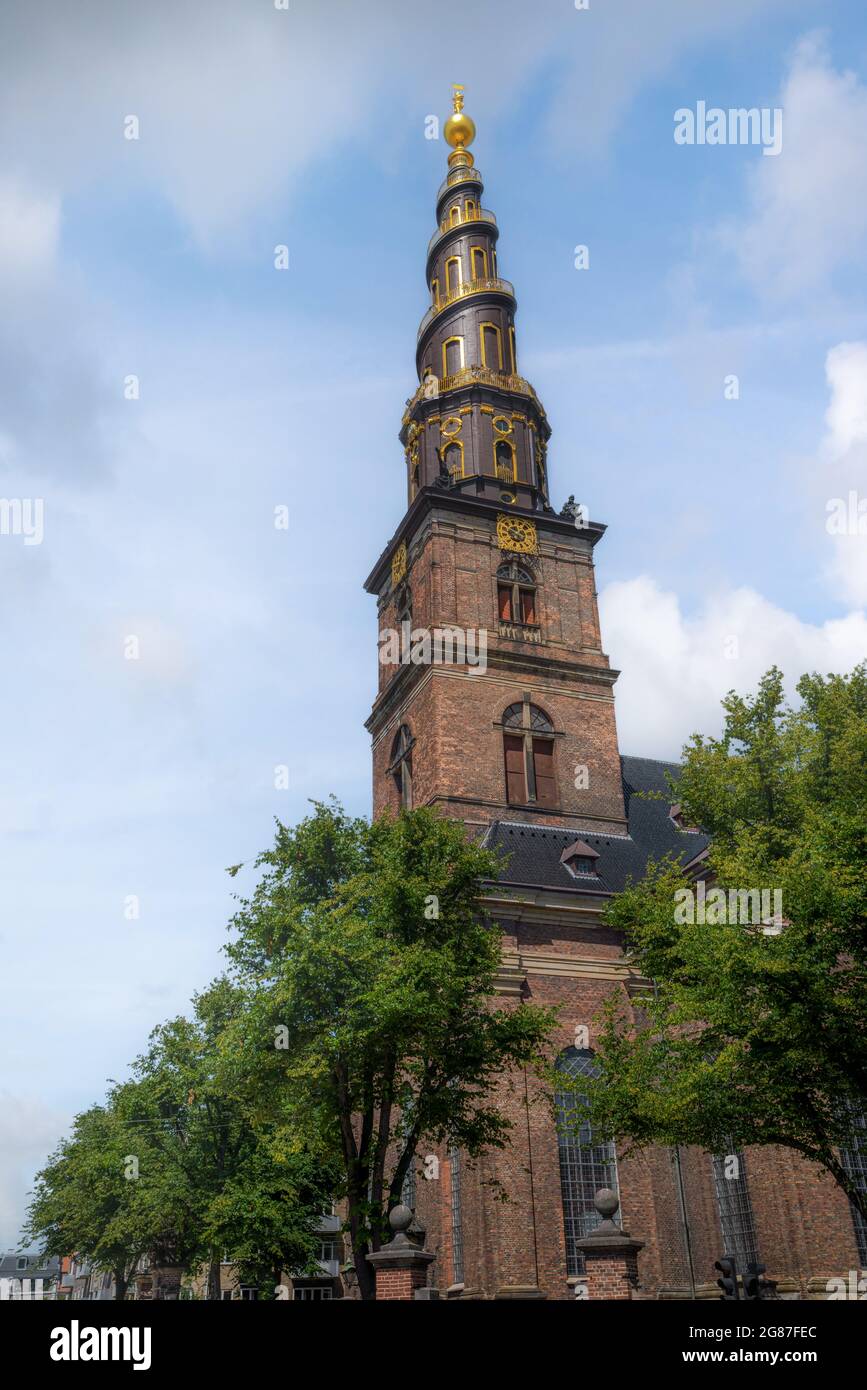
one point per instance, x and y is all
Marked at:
(88, 1200)
(752, 1037)
(370, 966)
(265, 1217)
(171, 1168)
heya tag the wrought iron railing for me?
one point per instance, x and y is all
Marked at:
(471, 215)
(480, 286)
(460, 175)
(469, 376)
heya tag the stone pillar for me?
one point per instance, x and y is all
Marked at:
(401, 1266)
(610, 1254)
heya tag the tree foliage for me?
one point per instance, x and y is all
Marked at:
(370, 968)
(752, 1037)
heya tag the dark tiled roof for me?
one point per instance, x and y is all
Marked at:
(535, 850)
(38, 1266)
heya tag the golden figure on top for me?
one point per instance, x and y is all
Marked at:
(459, 130)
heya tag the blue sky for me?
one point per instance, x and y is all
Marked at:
(261, 388)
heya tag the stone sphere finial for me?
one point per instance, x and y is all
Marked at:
(399, 1218)
(606, 1202)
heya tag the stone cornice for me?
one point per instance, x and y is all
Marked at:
(548, 524)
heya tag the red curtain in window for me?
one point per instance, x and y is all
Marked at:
(543, 767)
(504, 594)
(528, 606)
(516, 788)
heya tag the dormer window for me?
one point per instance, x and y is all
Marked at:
(676, 816)
(580, 859)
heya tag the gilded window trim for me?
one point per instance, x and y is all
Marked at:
(484, 255)
(497, 441)
(455, 338)
(458, 444)
(453, 260)
(498, 331)
(512, 349)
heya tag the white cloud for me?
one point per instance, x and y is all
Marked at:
(676, 668)
(29, 1130)
(808, 213)
(236, 102)
(29, 229)
(843, 470)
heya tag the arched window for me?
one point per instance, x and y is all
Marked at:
(582, 1170)
(403, 604)
(453, 356)
(512, 349)
(453, 455)
(505, 462)
(516, 594)
(454, 274)
(400, 766)
(454, 214)
(478, 263)
(435, 293)
(528, 751)
(491, 346)
(470, 207)
(735, 1208)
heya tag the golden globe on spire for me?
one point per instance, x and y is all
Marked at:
(459, 130)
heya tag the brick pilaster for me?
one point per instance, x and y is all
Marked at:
(400, 1267)
(610, 1254)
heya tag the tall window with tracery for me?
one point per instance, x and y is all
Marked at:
(853, 1157)
(528, 751)
(583, 1170)
(457, 1223)
(400, 766)
(735, 1207)
(516, 594)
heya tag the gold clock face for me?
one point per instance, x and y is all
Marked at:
(398, 564)
(514, 533)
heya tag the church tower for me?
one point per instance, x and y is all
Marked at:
(496, 706)
(483, 567)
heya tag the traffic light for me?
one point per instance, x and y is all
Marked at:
(729, 1281)
(755, 1287)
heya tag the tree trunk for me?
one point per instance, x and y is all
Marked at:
(120, 1286)
(214, 1290)
(364, 1272)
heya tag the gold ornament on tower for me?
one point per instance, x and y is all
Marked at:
(459, 130)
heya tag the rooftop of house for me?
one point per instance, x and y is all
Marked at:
(37, 1266)
(536, 851)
